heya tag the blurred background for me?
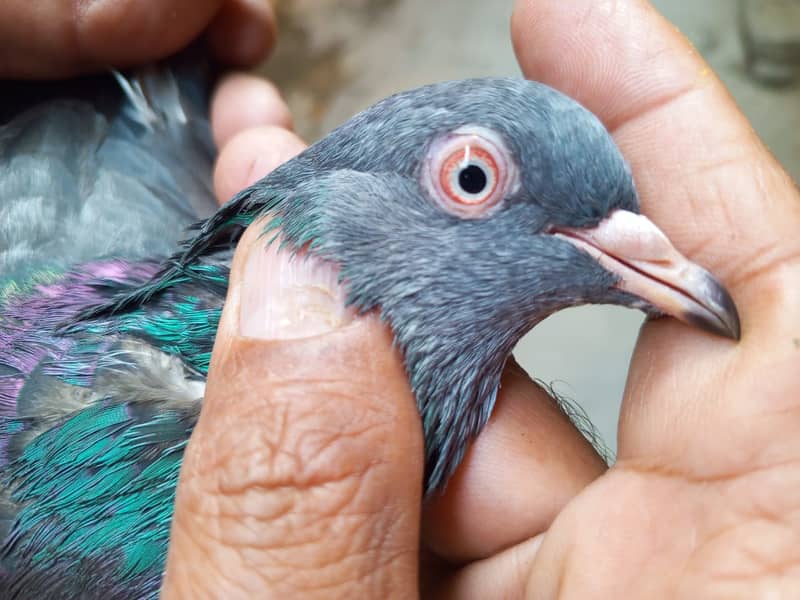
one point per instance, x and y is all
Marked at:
(336, 57)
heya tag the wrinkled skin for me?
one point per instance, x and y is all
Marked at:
(703, 501)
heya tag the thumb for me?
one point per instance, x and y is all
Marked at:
(303, 475)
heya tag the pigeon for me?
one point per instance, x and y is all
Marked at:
(462, 212)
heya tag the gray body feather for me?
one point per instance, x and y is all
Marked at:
(100, 176)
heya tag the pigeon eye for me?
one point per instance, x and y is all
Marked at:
(469, 175)
(468, 172)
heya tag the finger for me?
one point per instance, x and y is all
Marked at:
(713, 187)
(55, 38)
(525, 466)
(504, 575)
(60, 39)
(250, 155)
(242, 102)
(303, 476)
(243, 32)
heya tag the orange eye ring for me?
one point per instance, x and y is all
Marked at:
(461, 162)
(468, 172)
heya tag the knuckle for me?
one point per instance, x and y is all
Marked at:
(297, 491)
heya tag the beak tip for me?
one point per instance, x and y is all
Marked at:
(727, 312)
(729, 327)
(734, 329)
(719, 314)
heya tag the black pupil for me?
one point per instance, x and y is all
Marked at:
(472, 179)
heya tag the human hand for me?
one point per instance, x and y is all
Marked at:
(303, 475)
(53, 38)
(702, 501)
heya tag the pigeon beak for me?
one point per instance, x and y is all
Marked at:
(649, 267)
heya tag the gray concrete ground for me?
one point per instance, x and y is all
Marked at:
(336, 57)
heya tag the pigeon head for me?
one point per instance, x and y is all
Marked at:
(465, 213)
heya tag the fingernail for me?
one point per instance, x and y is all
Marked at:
(286, 295)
